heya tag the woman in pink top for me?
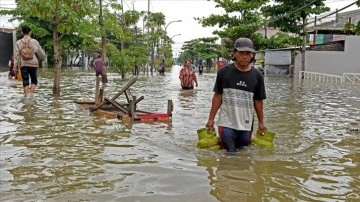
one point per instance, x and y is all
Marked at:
(187, 76)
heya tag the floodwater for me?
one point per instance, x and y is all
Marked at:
(52, 150)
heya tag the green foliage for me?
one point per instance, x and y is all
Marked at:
(157, 19)
(282, 40)
(131, 17)
(205, 48)
(124, 61)
(357, 28)
(288, 15)
(76, 21)
(241, 19)
(349, 28)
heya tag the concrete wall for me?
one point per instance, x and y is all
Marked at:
(333, 62)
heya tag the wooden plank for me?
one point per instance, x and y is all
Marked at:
(115, 104)
(107, 114)
(131, 82)
(143, 112)
(170, 107)
(84, 102)
(101, 95)
(152, 116)
(127, 97)
(97, 90)
(132, 107)
(139, 99)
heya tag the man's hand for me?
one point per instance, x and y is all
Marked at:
(262, 128)
(210, 124)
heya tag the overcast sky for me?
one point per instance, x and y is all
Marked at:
(184, 10)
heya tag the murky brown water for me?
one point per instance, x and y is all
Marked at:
(52, 150)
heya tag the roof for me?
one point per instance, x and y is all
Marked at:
(284, 49)
(337, 23)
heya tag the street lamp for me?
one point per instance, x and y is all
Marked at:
(175, 36)
(170, 23)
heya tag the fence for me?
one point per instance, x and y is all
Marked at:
(315, 76)
(320, 77)
(352, 77)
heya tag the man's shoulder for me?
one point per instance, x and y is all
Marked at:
(226, 68)
(256, 71)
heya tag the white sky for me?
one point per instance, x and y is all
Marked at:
(184, 10)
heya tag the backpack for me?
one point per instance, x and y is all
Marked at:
(25, 50)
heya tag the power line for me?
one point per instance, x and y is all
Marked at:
(127, 5)
(287, 14)
(331, 13)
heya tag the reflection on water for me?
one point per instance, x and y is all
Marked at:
(53, 150)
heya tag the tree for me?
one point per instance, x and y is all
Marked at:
(201, 48)
(63, 17)
(290, 15)
(67, 17)
(241, 19)
(282, 40)
(155, 23)
(349, 28)
(357, 28)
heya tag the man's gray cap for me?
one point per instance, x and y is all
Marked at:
(244, 44)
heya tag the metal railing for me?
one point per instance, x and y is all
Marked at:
(315, 76)
(352, 77)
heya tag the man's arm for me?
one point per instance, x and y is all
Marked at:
(181, 76)
(258, 105)
(215, 105)
(40, 52)
(195, 79)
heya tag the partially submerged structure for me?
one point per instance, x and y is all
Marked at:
(127, 112)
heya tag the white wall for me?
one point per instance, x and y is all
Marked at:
(333, 62)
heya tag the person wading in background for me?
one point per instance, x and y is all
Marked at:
(187, 76)
(98, 65)
(28, 52)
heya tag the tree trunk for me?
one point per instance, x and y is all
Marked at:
(122, 74)
(103, 46)
(152, 58)
(57, 58)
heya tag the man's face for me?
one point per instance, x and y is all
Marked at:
(243, 58)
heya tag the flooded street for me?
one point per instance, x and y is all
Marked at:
(53, 150)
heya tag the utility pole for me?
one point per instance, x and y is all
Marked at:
(103, 45)
(303, 46)
(148, 34)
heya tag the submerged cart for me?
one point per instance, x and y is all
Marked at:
(127, 112)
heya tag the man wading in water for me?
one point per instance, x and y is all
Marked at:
(239, 89)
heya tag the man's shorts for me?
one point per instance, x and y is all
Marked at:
(98, 73)
(187, 88)
(25, 72)
(232, 139)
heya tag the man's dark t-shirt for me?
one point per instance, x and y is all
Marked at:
(239, 90)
